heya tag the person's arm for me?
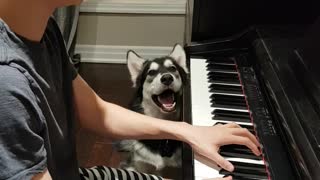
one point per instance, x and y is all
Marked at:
(42, 176)
(114, 121)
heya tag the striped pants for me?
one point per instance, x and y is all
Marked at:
(107, 173)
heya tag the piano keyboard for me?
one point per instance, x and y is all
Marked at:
(220, 99)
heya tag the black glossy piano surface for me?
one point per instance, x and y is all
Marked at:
(277, 67)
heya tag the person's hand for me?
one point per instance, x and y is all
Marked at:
(206, 141)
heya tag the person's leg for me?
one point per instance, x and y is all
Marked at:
(107, 173)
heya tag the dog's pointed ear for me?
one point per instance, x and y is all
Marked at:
(179, 56)
(135, 64)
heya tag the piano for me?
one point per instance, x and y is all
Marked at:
(262, 72)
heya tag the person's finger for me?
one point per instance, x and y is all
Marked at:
(232, 125)
(240, 140)
(246, 133)
(223, 163)
(224, 178)
(218, 124)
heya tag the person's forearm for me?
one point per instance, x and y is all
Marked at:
(112, 120)
(122, 123)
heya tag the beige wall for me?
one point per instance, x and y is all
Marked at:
(131, 29)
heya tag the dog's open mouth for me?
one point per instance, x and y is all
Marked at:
(166, 100)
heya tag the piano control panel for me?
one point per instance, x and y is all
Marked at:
(258, 111)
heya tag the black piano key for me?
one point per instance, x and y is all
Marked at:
(238, 151)
(219, 77)
(244, 178)
(240, 155)
(221, 65)
(236, 148)
(228, 101)
(237, 104)
(227, 115)
(221, 88)
(245, 174)
(231, 113)
(225, 60)
(249, 166)
(228, 105)
(223, 75)
(221, 68)
(221, 71)
(247, 170)
(225, 81)
(228, 97)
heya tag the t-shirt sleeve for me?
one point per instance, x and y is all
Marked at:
(72, 70)
(21, 127)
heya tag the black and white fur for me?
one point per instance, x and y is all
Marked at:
(159, 83)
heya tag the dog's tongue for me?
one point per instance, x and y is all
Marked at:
(166, 99)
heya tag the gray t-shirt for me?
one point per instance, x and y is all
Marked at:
(36, 106)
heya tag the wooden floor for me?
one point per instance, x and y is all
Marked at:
(112, 83)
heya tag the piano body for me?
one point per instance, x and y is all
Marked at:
(257, 63)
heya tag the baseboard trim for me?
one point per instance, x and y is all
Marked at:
(117, 54)
(135, 6)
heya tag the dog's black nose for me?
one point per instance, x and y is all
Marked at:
(167, 79)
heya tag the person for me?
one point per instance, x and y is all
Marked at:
(41, 95)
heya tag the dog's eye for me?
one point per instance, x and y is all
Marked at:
(152, 72)
(172, 68)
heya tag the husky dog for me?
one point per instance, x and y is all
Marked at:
(159, 83)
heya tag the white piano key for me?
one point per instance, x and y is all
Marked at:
(200, 98)
(228, 109)
(228, 94)
(227, 84)
(226, 72)
(250, 161)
